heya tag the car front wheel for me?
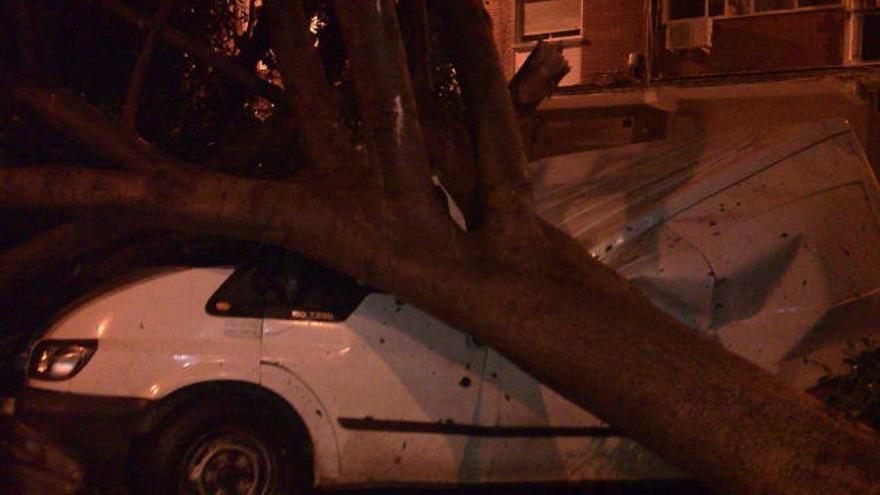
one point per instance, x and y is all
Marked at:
(222, 450)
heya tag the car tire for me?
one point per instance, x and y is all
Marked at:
(206, 449)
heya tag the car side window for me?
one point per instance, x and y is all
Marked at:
(322, 295)
(244, 293)
(287, 286)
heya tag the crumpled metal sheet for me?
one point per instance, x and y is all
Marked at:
(751, 238)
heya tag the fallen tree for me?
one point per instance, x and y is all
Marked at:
(364, 199)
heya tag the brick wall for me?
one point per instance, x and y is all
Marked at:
(760, 43)
(503, 13)
(613, 29)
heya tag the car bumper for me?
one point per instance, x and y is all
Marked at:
(96, 430)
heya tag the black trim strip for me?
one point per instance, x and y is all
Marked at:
(449, 428)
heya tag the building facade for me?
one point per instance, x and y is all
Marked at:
(656, 69)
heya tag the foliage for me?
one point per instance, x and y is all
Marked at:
(856, 392)
(188, 107)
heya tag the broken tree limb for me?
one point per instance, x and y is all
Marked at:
(538, 77)
(534, 82)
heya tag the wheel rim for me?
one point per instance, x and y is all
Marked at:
(227, 463)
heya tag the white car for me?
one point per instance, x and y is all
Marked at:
(280, 374)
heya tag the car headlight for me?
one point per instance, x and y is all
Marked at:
(60, 359)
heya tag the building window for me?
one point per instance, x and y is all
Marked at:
(690, 9)
(768, 5)
(548, 19)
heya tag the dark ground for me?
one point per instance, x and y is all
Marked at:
(647, 488)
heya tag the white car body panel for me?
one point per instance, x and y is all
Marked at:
(751, 242)
(155, 337)
(314, 414)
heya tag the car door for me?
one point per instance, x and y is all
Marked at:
(400, 388)
(541, 436)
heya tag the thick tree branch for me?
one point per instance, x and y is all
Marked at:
(70, 114)
(139, 72)
(504, 189)
(310, 97)
(329, 228)
(449, 146)
(206, 202)
(387, 104)
(201, 52)
(84, 190)
(50, 251)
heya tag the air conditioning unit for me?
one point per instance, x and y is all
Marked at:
(689, 34)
